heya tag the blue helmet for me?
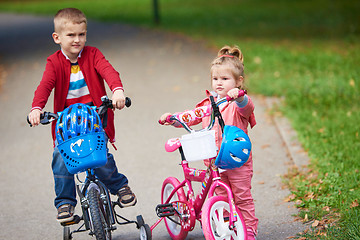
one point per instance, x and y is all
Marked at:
(78, 119)
(235, 148)
(81, 139)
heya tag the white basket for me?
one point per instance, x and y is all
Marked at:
(199, 145)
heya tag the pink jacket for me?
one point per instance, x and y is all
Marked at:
(95, 69)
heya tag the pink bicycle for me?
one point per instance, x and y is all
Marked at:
(219, 217)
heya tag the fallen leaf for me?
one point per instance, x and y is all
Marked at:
(354, 204)
(326, 208)
(315, 223)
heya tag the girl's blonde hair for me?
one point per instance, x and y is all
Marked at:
(66, 15)
(233, 57)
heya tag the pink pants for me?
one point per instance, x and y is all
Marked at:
(239, 180)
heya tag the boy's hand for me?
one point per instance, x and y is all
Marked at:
(34, 117)
(118, 99)
(234, 94)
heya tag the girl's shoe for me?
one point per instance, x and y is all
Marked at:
(126, 197)
(250, 235)
(65, 213)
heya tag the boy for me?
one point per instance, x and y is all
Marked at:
(77, 74)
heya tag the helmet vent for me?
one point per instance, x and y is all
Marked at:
(68, 124)
(240, 139)
(69, 110)
(61, 133)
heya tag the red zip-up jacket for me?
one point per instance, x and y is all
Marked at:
(95, 69)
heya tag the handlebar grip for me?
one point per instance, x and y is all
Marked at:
(241, 93)
(27, 119)
(45, 118)
(167, 120)
(42, 115)
(127, 102)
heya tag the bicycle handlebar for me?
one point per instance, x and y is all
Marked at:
(48, 117)
(200, 112)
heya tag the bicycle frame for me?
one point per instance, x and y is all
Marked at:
(210, 179)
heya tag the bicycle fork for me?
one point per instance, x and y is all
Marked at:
(104, 198)
(233, 217)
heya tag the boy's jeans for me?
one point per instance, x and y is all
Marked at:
(65, 185)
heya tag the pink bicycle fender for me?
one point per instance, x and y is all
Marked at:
(172, 144)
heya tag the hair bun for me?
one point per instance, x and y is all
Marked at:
(233, 51)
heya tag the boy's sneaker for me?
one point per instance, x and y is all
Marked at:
(65, 213)
(126, 197)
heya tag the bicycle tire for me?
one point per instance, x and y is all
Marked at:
(66, 233)
(145, 232)
(215, 227)
(99, 219)
(175, 230)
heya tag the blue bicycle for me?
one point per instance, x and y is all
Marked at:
(84, 153)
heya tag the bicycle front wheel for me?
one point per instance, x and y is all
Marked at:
(215, 223)
(173, 223)
(99, 220)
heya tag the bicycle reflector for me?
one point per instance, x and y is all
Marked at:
(81, 139)
(235, 148)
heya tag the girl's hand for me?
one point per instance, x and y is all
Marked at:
(234, 94)
(163, 118)
(34, 117)
(118, 99)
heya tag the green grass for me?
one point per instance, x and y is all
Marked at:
(306, 51)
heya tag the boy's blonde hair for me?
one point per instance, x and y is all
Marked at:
(66, 15)
(232, 56)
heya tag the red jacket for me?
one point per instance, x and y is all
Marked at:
(95, 69)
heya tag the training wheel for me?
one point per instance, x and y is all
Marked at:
(145, 232)
(140, 221)
(66, 233)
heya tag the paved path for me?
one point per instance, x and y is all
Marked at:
(161, 72)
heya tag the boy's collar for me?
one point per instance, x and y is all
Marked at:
(79, 56)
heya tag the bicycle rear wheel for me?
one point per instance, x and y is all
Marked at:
(100, 224)
(173, 223)
(215, 223)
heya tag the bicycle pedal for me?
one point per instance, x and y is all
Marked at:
(165, 210)
(76, 220)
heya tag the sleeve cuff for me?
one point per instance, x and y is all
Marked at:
(36, 108)
(244, 102)
(118, 88)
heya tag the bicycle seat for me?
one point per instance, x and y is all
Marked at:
(172, 144)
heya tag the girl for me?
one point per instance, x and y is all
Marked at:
(227, 77)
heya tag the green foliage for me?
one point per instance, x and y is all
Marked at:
(308, 52)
